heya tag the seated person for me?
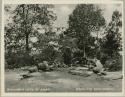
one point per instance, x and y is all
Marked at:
(99, 67)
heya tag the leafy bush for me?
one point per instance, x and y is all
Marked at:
(114, 63)
(18, 60)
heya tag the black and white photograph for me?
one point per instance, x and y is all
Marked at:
(63, 48)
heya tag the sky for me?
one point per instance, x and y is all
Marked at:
(64, 10)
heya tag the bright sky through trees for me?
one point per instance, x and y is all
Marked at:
(63, 12)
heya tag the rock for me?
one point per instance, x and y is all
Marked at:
(96, 70)
(104, 73)
(32, 69)
(83, 71)
(82, 68)
(43, 66)
(80, 72)
(25, 68)
(25, 75)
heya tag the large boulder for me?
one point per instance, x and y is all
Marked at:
(32, 69)
(43, 66)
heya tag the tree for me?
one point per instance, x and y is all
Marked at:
(111, 44)
(19, 31)
(112, 40)
(85, 19)
(25, 16)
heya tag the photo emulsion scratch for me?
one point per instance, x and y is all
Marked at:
(63, 48)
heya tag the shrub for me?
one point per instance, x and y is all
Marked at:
(16, 60)
(114, 63)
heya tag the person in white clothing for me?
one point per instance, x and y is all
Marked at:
(99, 67)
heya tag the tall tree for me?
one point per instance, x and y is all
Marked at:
(25, 16)
(112, 43)
(86, 18)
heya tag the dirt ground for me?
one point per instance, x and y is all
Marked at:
(59, 81)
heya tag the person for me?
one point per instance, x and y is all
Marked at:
(99, 67)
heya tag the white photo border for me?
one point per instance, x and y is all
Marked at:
(58, 2)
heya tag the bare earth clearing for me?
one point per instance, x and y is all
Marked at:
(59, 81)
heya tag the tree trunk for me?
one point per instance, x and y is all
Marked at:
(97, 45)
(84, 54)
(27, 43)
(84, 51)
